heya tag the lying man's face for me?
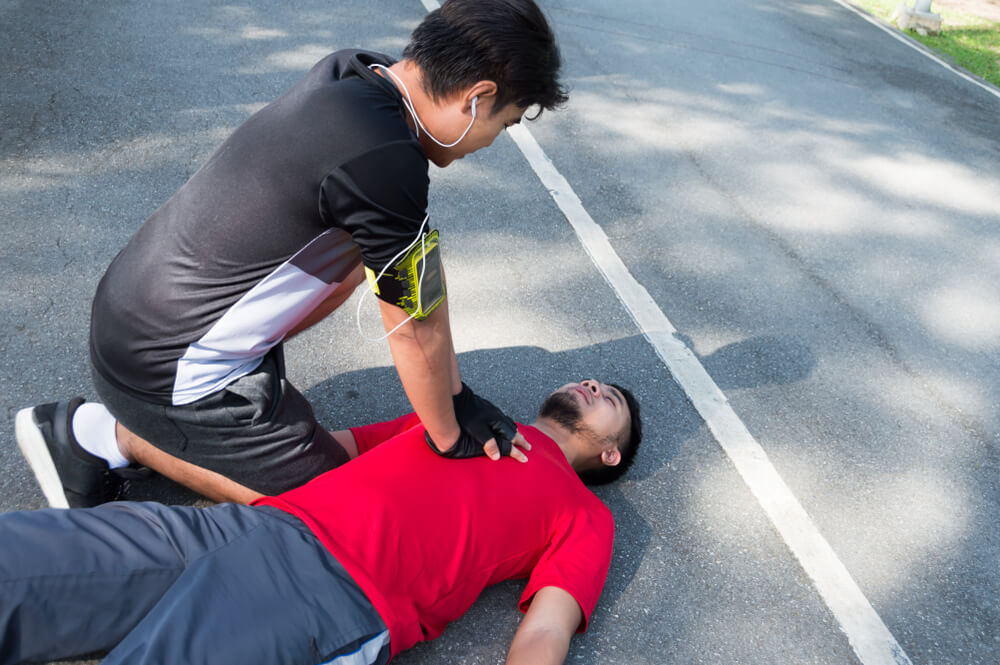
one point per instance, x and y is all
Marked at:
(591, 409)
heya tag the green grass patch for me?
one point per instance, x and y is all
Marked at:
(968, 41)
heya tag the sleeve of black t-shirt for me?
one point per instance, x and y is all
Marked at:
(380, 198)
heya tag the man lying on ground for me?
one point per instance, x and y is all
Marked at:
(352, 568)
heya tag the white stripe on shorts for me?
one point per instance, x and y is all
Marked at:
(366, 653)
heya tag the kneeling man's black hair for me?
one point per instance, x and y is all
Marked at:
(508, 42)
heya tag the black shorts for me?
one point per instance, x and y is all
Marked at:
(259, 430)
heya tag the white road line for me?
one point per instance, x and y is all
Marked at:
(865, 630)
(867, 634)
(897, 35)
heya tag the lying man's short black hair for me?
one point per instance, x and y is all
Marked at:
(628, 444)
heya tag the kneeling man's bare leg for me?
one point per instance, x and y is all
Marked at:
(209, 484)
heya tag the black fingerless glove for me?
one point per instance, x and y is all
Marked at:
(479, 421)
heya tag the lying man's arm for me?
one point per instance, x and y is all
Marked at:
(546, 629)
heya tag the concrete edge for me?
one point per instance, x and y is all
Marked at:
(913, 43)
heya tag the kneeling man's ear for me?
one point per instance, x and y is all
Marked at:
(481, 89)
(611, 457)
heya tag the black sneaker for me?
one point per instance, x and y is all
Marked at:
(69, 476)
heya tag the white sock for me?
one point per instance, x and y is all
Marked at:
(94, 429)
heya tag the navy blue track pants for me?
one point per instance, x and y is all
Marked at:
(177, 584)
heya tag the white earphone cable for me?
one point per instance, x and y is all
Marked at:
(408, 102)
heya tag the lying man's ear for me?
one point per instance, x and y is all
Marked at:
(611, 457)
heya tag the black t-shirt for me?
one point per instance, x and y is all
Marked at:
(325, 177)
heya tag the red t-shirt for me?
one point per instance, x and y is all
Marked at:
(423, 535)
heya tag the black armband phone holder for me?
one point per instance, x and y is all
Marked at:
(415, 283)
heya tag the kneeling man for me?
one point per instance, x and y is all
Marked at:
(354, 567)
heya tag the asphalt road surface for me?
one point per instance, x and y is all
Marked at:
(813, 205)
